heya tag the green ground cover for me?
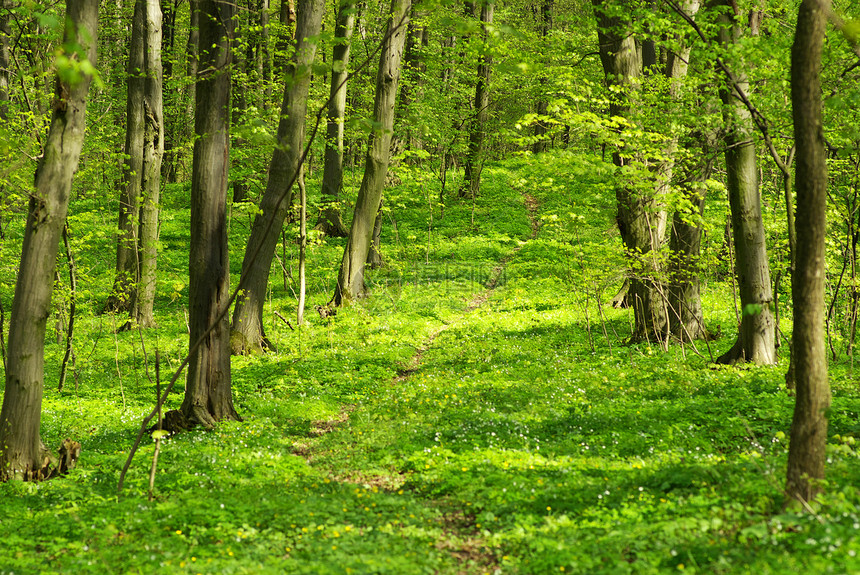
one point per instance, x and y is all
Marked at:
(439, 426)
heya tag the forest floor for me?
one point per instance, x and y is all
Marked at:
(479, 412)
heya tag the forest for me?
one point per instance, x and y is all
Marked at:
(429, 286)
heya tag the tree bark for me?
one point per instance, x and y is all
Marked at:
(208, 389)
(153, 152)
(540, 127)
(22, 454)
(756, 333)
(685, 303)
(330, 221)
(807, 449)
(126, 270)
(473, 166)
(641, 217)
(5, 34)
(248, 335)
(350, 281)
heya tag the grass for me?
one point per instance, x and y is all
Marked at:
(437, 426)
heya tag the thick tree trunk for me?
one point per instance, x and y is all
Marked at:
(685, 303)
(126, 269)
(153, 152)
(807, 449)
(641, 217)
(22, 454)
(208, 389)
(756, 334)
(350, 281)
(330, 221)
(474, 157)
(247, 331)
(685, 300)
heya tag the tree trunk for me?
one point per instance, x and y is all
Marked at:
(374, 256)
(22, 454)
(350, 281)
(685, 302)
(756, 334)
(330, 221)
(208, 390)
(153, 152)
(126, 269)
(641, 218)
(5, 34)
(471, 186)
(540, 127)
(807, 449)
(247, 331)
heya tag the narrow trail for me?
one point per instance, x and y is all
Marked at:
(461, 539)
(479, 299)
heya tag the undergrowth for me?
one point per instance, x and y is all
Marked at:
(437, 426)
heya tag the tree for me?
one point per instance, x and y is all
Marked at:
(208, 389)
(474, 161)
(350, 279)
(756, 333)
(136, 254)
(22, 454)
(641, 216)
(329, 221)
(540, 127)
(808, 444)
(247, 331)
(127, 276)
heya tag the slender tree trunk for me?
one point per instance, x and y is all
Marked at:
(126, 277)
(169, 9)
(330, 221)
(756, 338)
(153, 152)
(474, 158)
(374, 255)
(247, 331)
(540, 127)
(350, 281)
(807, 449)
(22, 454)
(264, 57)
(5, 34)
(208, 389)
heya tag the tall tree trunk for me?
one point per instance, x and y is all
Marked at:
(330, 221)
(474, 158)
(126, 269)
(247, 331)
(153, 151)
(685, 302)
(350, 281)
(540, 144)
(208, 389)
(22, 454)
(756, 334)
(807, 449)
(264, 57)
(169, 9)
(5, 34)
(641, 218)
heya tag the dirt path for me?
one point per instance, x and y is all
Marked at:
(461, 537)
